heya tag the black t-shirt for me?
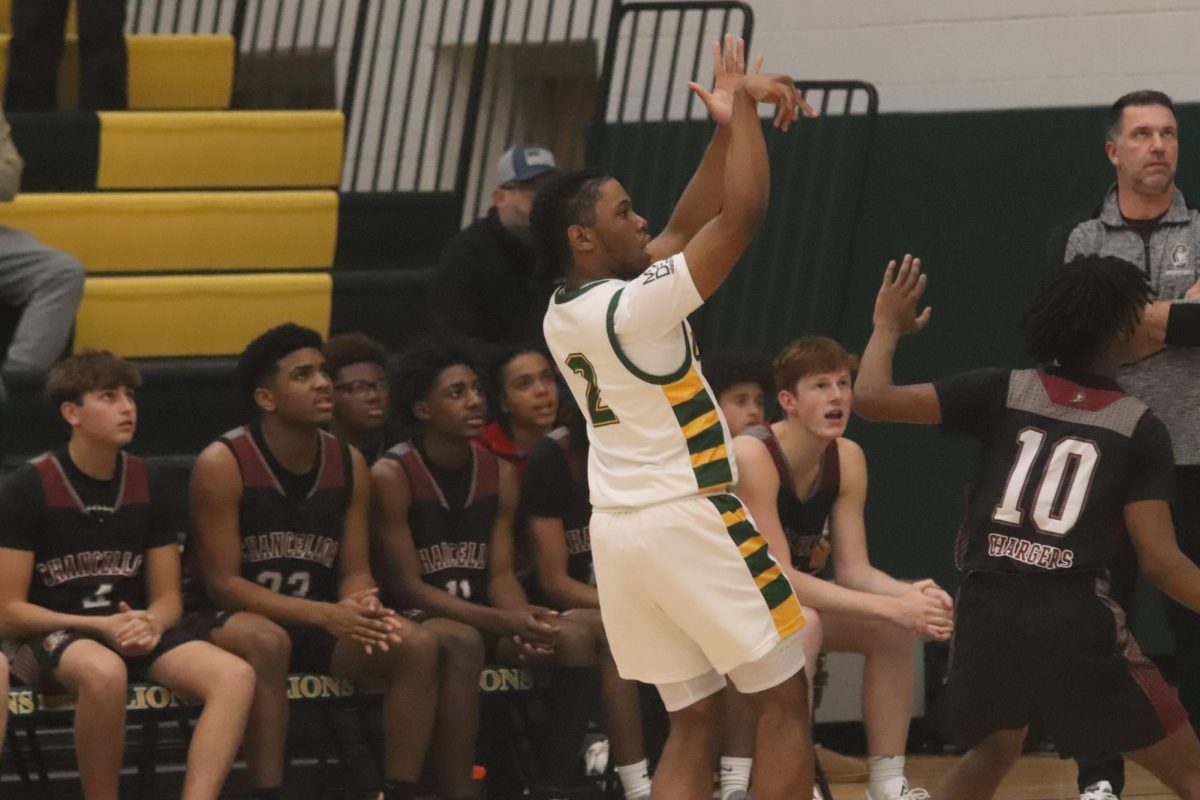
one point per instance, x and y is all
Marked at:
(554, 486)
(1062, 454)
(89, 537)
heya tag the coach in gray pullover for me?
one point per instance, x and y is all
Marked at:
(1146, 220)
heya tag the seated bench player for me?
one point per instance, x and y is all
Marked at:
(89, 581)
(443, 522)
(280, 510)
(554, 496)
(806, 485)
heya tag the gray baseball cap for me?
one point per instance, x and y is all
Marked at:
(522, 162)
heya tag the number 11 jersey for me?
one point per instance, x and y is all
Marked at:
(1062, 454)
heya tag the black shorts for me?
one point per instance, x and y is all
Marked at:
(312, 647)
(1053, 648)
(37, 658)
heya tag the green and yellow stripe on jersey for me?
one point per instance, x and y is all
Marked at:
(701, 425)
(692, 404)
(768, 576)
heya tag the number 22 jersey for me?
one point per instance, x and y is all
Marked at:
(290, 526)
(1062, 454)
(631, 362)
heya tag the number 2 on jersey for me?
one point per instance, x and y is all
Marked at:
(601, 414)
(1066, 479)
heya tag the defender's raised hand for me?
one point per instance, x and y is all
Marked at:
(896, 303)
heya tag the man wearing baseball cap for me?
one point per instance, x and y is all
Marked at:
(484, 289)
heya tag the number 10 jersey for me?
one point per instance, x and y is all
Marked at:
(1062, 454)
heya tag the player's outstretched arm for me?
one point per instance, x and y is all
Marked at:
(1153, 535)
(876, 396)
(702, 198)
(713, 251)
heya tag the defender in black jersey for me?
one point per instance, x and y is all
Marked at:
(1069, 464)
(89, 579)
(280, 512)
(805, 484)
(444, 510)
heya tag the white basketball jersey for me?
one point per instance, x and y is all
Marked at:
(630, 359)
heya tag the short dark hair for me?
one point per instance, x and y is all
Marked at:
(811, 355)
(1142, 97)
(568, 199)
(725, 369)
(259, 362)
(89, 371)
(417, 369)
(496, 365)
(353, 348)
(1081, 308)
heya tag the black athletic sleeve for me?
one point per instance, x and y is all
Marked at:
(21, 502)
(163, 516)
(971, 402)
(1183, 324)
(546, 485)
(1152, 475)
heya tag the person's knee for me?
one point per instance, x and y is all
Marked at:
(576, 646)
(417, 652)
(231, 677)
(64, 271)
(701, 718)
(461, 646)
(104, 676)
(1002, 747)
(268, 650)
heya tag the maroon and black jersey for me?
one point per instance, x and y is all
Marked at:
(1063, 453)
(290, 526)
(805, 521)
(88, 537)
(555, 486)
(451, 518)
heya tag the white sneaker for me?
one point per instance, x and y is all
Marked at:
(817, 794)
(595, 758)
(906, 793)
(1100, 790)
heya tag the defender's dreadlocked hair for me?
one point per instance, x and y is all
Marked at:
(1081, 308)
(568, 199)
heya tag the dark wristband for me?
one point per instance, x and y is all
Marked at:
(1183, 324)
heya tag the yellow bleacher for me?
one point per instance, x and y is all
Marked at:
(184, 231)
(166, 71)
(197, 315)
(211, 149)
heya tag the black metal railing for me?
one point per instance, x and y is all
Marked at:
(182, 16)
(650, 132)
(648, 129)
